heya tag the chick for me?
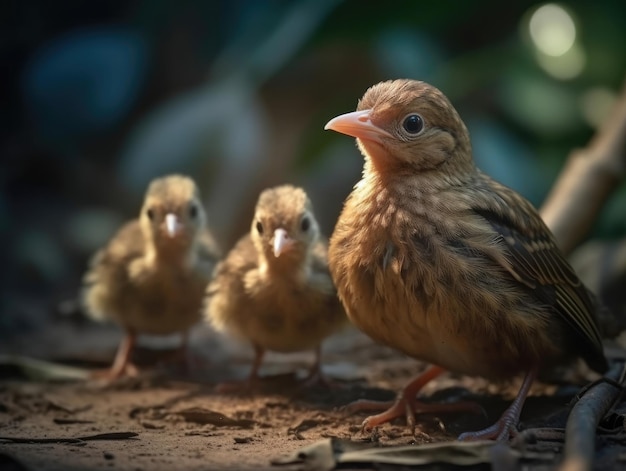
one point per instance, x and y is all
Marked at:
(273, 289)
(151, 276)
(436, 259)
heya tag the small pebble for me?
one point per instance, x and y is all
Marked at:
(243, 439)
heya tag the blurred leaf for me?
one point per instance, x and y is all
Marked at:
(39, 370)
(505, 157)
(543, 106)
(84, 81)
(407, 53)
(222, 120)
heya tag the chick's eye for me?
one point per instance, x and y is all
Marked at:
(193, 211)
(150, 214)
(305, 224)
(259, 227)
(413, 124)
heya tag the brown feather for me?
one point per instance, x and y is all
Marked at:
(434, 258)
(145, 281)
(286, 303)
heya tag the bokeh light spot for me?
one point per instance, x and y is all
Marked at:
(552, 30)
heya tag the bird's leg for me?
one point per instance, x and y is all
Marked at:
(121, 364)
(259, 353)
(188, 359)
(316, 376)
(407, 405)
(252, 378)
(506, 426)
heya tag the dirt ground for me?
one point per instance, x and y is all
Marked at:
(166, 419)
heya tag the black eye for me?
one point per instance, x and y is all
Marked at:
(193, 211)
(413, 124)
(305, 224)
(150, 214)
(259, 227)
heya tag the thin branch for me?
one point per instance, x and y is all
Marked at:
(590, 175)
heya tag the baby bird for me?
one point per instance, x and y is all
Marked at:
(273, 289)
(151, 276)
(434, 258)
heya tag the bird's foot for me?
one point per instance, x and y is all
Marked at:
(502, 430)
(408, 408)
(128, 370)
(506, 426)
(317, 379)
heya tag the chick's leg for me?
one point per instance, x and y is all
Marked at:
(259, 353)
(253, 376)
(407, 405)
(121, 364)
(507, 424)
(316, 375)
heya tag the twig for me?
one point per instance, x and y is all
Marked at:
(99, 436)
(589, 177)
(580, 430)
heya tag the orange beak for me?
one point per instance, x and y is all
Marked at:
(358, 124)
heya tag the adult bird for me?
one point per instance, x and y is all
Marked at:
(436, 259)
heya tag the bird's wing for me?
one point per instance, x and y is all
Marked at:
(126, 245)
(231, 270)
(535, 260)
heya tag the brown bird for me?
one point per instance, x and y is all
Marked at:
(433, 257)
(151, 276)
(273, 289)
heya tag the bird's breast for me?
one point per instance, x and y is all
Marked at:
(421, 290)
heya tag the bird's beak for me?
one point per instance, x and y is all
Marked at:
(282, 242)
(358, 124)
(172, 225)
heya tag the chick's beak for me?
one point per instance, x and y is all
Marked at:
(358, 124)
(172, 224)
(282, 242)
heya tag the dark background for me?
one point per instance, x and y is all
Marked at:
(100, 97)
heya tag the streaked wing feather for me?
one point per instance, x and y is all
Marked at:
(538, 262)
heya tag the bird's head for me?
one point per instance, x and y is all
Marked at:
(284, 228)
(407, 125)
(172, 215)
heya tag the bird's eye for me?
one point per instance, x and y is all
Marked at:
(193, 211)
(150, 214)
(259, 227)
(413, 124)
(305, 224)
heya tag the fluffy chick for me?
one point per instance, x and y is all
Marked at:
(273, 289)
(151, 276)
(433, 257)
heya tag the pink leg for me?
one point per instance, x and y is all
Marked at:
(507, 424)
(121, 364)
(407, 405)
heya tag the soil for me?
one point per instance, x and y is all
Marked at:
(168, 419)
